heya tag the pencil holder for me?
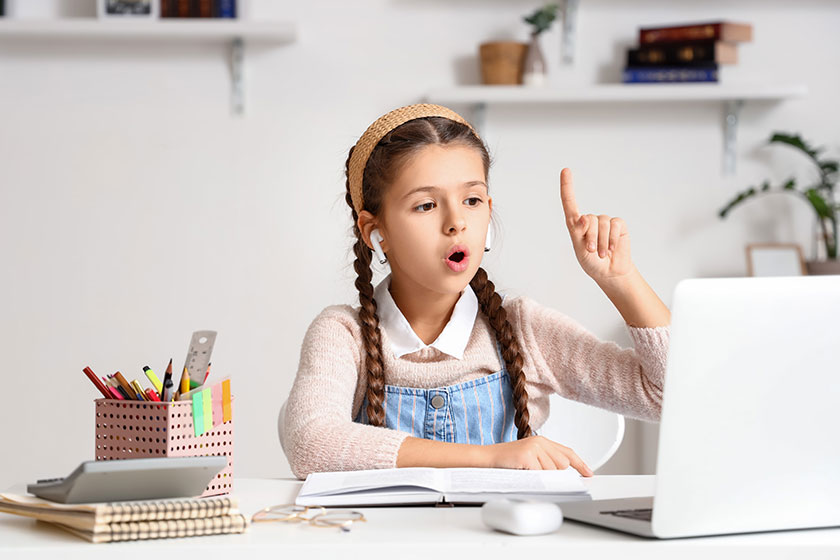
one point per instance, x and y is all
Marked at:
(139, 429)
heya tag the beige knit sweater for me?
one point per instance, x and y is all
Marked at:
(316, 428)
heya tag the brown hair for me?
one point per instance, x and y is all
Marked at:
(389, 155)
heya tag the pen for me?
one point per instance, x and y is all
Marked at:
(153, 378)
(95, 380)
(141, 394)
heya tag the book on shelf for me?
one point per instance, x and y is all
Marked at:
(426, 485)
(670, 74)
(136, 520)
(218, 9)
(718, 31)
(696, 53)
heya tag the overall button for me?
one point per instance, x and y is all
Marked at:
(438, 401)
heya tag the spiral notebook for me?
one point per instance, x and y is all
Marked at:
(143, 519)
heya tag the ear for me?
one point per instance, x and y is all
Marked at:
(490, 204)
(367, 223)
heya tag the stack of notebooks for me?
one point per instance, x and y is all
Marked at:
(684, 53)
(137, 520)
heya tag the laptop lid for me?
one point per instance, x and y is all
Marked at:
(750, 431)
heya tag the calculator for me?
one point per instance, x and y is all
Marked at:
(131, 479)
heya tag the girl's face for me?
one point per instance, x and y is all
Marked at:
(434, 219)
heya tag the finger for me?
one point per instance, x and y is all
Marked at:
(546, 463)
(567, 197)
(560, 458)
(616, 229)
(576, 461)
(603, 235)
(590, 237)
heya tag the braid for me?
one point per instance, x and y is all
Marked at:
(371, 336)
(491, 305)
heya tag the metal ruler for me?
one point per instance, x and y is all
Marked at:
(198, 356)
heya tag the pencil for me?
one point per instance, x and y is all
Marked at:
(166, 394)
(207, 374)
(126, 387)
(185, 381)
(95, 380)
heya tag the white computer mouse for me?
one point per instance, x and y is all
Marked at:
(520, 517)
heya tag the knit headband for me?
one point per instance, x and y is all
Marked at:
(382, 126)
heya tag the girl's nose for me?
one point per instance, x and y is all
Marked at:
(455, 222)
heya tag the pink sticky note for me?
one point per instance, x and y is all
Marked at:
(218, 411)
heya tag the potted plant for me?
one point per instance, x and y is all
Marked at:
(534, 71)
(819, 195)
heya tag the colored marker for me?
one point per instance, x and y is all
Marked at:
(153, 378)
(152, 395)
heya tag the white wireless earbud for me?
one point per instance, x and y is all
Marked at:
(488, 240)
(375, 238)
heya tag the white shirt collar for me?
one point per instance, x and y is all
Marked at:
(452, 341)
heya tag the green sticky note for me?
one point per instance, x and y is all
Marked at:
(198, 412)
(207, 399)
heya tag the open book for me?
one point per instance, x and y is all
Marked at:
(422, 485)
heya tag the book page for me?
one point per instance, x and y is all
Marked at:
(479, 480)
(354, 481)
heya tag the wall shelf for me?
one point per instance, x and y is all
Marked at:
(235, 33)
(732, 96)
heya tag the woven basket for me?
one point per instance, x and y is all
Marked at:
(502, 62)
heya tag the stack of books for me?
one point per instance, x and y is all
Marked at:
(684, 53)
(198, 8)
(136, 520)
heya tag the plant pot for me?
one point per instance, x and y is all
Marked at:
(823, 267)
(534, 73)
(502, 62)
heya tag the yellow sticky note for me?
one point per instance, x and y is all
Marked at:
(208, 410)
(226, 400)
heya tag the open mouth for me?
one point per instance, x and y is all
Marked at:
(458, 258)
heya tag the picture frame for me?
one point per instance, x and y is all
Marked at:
(128, 9)
(775, 259)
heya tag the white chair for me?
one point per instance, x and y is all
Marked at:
(593, 433)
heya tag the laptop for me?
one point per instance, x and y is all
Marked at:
(749, 438)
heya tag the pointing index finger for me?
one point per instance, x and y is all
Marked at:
(567, 196)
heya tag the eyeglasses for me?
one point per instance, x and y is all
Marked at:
(317, 516)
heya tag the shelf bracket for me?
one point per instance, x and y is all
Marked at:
(237, 62)
(570, 8)
(732, 111)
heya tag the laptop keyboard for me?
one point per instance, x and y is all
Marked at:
(643, 514)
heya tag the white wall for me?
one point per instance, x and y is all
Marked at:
(135, 209)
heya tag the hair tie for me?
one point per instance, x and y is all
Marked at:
(382, 126)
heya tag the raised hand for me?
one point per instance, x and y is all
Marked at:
(601, 243)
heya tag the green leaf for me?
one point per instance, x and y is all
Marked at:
(542, 18)
(820, 205)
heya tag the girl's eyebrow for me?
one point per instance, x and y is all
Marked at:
(434, 188)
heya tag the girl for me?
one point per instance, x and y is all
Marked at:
(432, 369)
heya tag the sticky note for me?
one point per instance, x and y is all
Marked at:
(198, 413)
(208, 410)
(226, 400)
(216, 397)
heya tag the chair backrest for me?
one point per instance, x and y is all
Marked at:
(593, 433)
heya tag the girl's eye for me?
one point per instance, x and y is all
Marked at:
(425, 207)
(473, 201)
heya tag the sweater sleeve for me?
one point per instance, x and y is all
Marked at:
(316, 427)
(574, 363)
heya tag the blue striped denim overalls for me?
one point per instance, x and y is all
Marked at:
(479, 411)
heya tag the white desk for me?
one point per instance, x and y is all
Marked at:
(415, 532)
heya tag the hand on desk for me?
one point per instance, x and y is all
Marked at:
(534, 453)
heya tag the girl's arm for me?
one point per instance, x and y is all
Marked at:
(602, 247)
